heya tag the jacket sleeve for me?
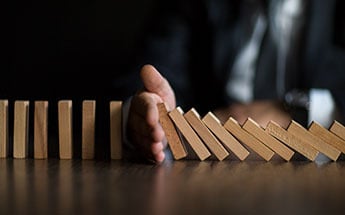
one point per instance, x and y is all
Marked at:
(325, 59)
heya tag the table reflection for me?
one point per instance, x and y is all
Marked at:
(118, 187)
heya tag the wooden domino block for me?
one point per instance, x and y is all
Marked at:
(299, 131)
(177, 148)
(292, 141)
(21, 128)
(338, 129)
(3, 128)
(116, 130)
(41, 130)
(235, 129)
(257, 131)
(213, 123)
(327, 136)
(193, 118)
(192, 138)
(65, 129)
(88, 129)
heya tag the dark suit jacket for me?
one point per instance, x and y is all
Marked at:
(194, 43)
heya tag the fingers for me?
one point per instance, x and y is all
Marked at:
(144, 128)
(152, 151)
(155, 83)
(138, 125)
(145, 105)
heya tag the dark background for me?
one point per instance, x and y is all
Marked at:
(74, 50)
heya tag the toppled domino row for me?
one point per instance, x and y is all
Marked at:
(207, 135)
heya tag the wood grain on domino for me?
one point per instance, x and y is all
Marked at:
(229, 141)
(177, 148)
(292, 141)
(338, 129)
(299, 131)
(327, 136)
(65, 129)
(41, 130)
(21, 129)
(115, 130)
(193, 118)
(4, 146)
(88, 129)
(234, 128)
(192, 138)
(257, 131)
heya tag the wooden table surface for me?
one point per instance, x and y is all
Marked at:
(180, 187)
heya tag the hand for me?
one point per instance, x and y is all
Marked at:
(144, 130)
(260, 111)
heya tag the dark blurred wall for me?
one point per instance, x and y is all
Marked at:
(75, 48)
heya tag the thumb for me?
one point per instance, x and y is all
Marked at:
(154, 82)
